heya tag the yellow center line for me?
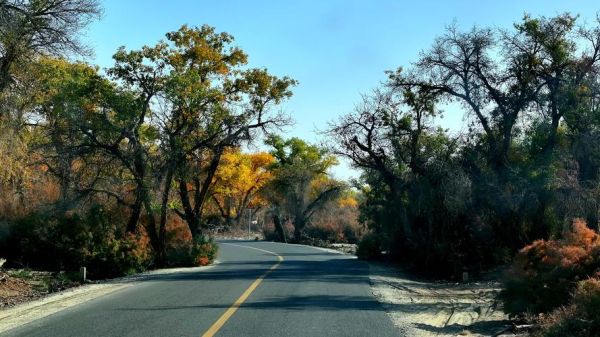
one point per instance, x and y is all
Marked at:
(236, 305)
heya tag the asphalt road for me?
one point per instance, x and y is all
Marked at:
(309, 292)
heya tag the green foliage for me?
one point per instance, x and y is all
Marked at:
(41, 27)
(301, 185)
(69, 241)
(580, 319)
(527, 164)
(162, 111)
(200, 252)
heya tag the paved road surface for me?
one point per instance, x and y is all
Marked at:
(309, 293)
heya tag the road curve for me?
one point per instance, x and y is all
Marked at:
(258, 289)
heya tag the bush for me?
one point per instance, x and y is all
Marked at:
(352, 233)
(68, 241)
(204, 252)
(580, 319)
(337, 223)
(545, 273)
(116, 257)
(369, 247)
(327, 232)
(200, 252)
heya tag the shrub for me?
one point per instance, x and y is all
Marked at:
(204, 252)
(336, 224)
(352, 233)
(369, 247)
(179, 243)
(269, 232)
(580, 319)
(48, 242)
(116, 257)
(200, 252)
(327, 232)
(68, 241)
(545, 273)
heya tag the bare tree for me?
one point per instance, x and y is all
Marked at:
(32, 27)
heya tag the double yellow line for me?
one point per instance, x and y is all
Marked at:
(236, 305)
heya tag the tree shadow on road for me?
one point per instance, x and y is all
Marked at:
(311, 302)
(332, 271)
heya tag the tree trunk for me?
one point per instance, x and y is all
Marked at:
(162, 229)
(136, 211)
(299, 224)
(279, 228)
(193, 214)
(190, 216)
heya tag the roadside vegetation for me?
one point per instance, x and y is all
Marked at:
(519, 186)
(134, 166)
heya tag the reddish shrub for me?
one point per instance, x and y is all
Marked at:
(178, 232)
(545, 273)
(338, 223)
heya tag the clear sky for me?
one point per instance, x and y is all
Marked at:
(336, 49)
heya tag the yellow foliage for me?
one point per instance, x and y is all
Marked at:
(239, 177)
(348, 201)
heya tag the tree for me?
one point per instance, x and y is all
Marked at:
(239, 181)
(301, 185)
(527, 164)
(181, 103)
(66, 93)
(29, 28)
(410, 176)
(212, 104)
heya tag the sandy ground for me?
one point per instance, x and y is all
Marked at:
(438, 309)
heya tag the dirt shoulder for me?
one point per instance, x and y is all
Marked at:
(22, 285)
(420, 308)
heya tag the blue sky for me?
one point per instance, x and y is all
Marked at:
(336, 49)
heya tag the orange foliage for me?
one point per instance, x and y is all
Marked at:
(581, 234)
(178, 232)
(17, 202)
(203, 261)
(544, 273)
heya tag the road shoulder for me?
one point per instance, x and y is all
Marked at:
(27, 312)
(419, 308)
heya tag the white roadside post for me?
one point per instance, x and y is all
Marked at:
(249, 221)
